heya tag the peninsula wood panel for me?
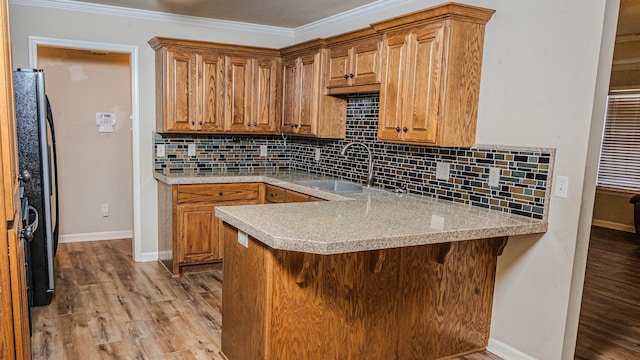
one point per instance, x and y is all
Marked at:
(411, 303)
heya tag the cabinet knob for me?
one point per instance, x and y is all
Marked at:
(351, 76)
(255, 124)
(292, 125)
(405, 129)
(220, 193)
(248, 124)
(346, 76)
(272, 195)
(200, 122)
(193, 123)
(296, 125)
(397, 129)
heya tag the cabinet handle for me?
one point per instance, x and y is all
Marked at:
(405, 129)
(346, 76)
(220, 193)
(351, 76)
(397, 129)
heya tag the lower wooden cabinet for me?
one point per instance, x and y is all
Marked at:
(190, 234)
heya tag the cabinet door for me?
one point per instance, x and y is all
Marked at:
(290, 95)
(309, 92)
(392, 86)
(365, 64)
(19, 294)
(181, 86)
(238, 107)
(264, 114)
(422, 95)
(198, 232)
(210, 107)
(339, 67)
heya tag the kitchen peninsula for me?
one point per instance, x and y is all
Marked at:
(364, 276)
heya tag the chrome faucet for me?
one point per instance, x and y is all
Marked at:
(370, 175)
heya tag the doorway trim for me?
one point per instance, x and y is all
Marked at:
(35, 41)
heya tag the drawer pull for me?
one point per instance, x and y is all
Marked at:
(405, 129)
(346, 76)
(272, 195)
(220, 193)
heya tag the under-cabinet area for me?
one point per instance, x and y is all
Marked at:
(426, 66)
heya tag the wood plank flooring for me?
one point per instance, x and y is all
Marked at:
(108, 307)
(609, 326)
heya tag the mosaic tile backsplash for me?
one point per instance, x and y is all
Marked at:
(523, 184)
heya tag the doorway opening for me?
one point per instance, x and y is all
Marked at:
(89, 83)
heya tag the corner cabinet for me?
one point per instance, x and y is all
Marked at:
(306, 110)
(207, 87)
(431, 64)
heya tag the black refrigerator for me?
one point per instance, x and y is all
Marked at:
(37, 154)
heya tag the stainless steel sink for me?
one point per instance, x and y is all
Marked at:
(340, 186)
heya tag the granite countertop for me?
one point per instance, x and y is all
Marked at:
(358, 222)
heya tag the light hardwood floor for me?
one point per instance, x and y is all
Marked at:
(609, 327)
(108, 307)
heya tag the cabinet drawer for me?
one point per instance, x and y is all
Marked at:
(274, 194)
(217, 192)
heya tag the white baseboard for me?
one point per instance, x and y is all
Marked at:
(147, 257)
(506, 351)
(97, 236)
(613, 225)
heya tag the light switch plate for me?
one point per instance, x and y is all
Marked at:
(263, 150)
(160, 150)
(191, 149)
(442, 171)
(317, 154)
(561, 186)
(243, 239)
(494, 177)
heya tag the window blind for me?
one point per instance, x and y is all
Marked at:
(619, 166)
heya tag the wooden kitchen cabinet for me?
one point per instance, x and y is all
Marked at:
(306, 110)
(190, 94)
(252, 88)
(354, 62)
(430, 83)
(216, 88)
(190, 233)
(15, 339)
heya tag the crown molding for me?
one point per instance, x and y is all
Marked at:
(346, 16)
(155, 15)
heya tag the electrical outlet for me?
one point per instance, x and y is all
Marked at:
(243, 239)
(494, 177)
(317, 154)
(160, 150)
(263, 151)
(442, 171)
(105, 210)
(191, 149)
(561, 186)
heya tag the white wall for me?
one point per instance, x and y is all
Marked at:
(93, 168)
(538, 88)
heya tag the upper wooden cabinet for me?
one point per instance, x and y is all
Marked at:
(252, 92)
(306, 110)
(354, 62)
(212, 88)
(430, 82)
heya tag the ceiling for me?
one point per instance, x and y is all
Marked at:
(281, 13)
